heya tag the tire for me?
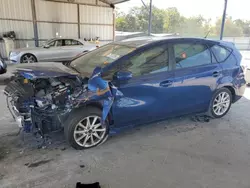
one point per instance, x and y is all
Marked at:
(28, 58)
(86, 134)
(218, 108)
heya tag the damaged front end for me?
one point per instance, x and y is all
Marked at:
(41, 104)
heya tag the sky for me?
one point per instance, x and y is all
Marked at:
(238, 9)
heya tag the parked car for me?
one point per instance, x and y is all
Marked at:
(126, 83)
(58, 49)
(246, 67)
(3, 66)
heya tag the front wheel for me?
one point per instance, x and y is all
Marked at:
(221, 103)
(83, 128)
(28, 58)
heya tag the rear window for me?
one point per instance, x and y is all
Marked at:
(221, 53)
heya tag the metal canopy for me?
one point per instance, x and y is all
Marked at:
(113, 1)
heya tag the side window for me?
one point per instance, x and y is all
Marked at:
(68, 42)
(58, 43)
(151, 61)
(191, 55)
(221, 53)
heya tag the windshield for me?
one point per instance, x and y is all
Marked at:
(47, 42)
(100, 57)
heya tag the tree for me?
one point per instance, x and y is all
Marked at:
(172, 20)
(194, 26)
(121, 22)
(244, 25)
(230, 29)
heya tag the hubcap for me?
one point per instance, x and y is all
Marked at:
(28, 59)
(89, 131)
(221, 103)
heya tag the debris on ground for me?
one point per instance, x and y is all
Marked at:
(38, 163)
(93, 185)
(82, 166)
(201, 118)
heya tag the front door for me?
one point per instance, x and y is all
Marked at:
(147, 96)
(196, 77)
(53, 52)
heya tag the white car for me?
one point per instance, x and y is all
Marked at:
(245, 63)
(57, 49)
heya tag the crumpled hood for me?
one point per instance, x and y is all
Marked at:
(44, 70)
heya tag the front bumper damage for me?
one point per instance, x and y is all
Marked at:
(99, 90)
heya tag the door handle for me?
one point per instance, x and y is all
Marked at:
(216, 74)
(166, 83)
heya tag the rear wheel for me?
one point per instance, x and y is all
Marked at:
(28, 58)
(221, 103)
(83, 128)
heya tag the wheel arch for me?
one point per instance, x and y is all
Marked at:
(28, 53)
(230, 88)
(98, 105)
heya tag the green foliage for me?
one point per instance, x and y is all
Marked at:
(171, 21)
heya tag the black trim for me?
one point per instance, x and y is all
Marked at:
(226, 48)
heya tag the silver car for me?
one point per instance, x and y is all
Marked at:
(58, 49)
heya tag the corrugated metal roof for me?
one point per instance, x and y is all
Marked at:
(113, 1)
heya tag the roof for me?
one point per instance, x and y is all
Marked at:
(141, 41)
(113, 1)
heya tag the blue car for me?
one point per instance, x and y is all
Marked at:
(126, 83)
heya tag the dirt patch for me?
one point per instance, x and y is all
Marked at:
(3, 152)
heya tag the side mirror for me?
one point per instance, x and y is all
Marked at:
(46, 46)
(122, 76)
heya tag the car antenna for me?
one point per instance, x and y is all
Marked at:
(207, 33)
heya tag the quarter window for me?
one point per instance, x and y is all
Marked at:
(221, 53)
(150, 61)
(191, 55)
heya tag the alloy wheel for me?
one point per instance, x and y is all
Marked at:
(28, 59)
(221, 103)
(89, 131)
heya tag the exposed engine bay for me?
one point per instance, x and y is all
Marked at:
(41, 105)
(49, 97)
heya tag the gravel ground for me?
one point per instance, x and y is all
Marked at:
(174, 153)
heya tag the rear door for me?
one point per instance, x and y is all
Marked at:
(148, 95)
(196, 76)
